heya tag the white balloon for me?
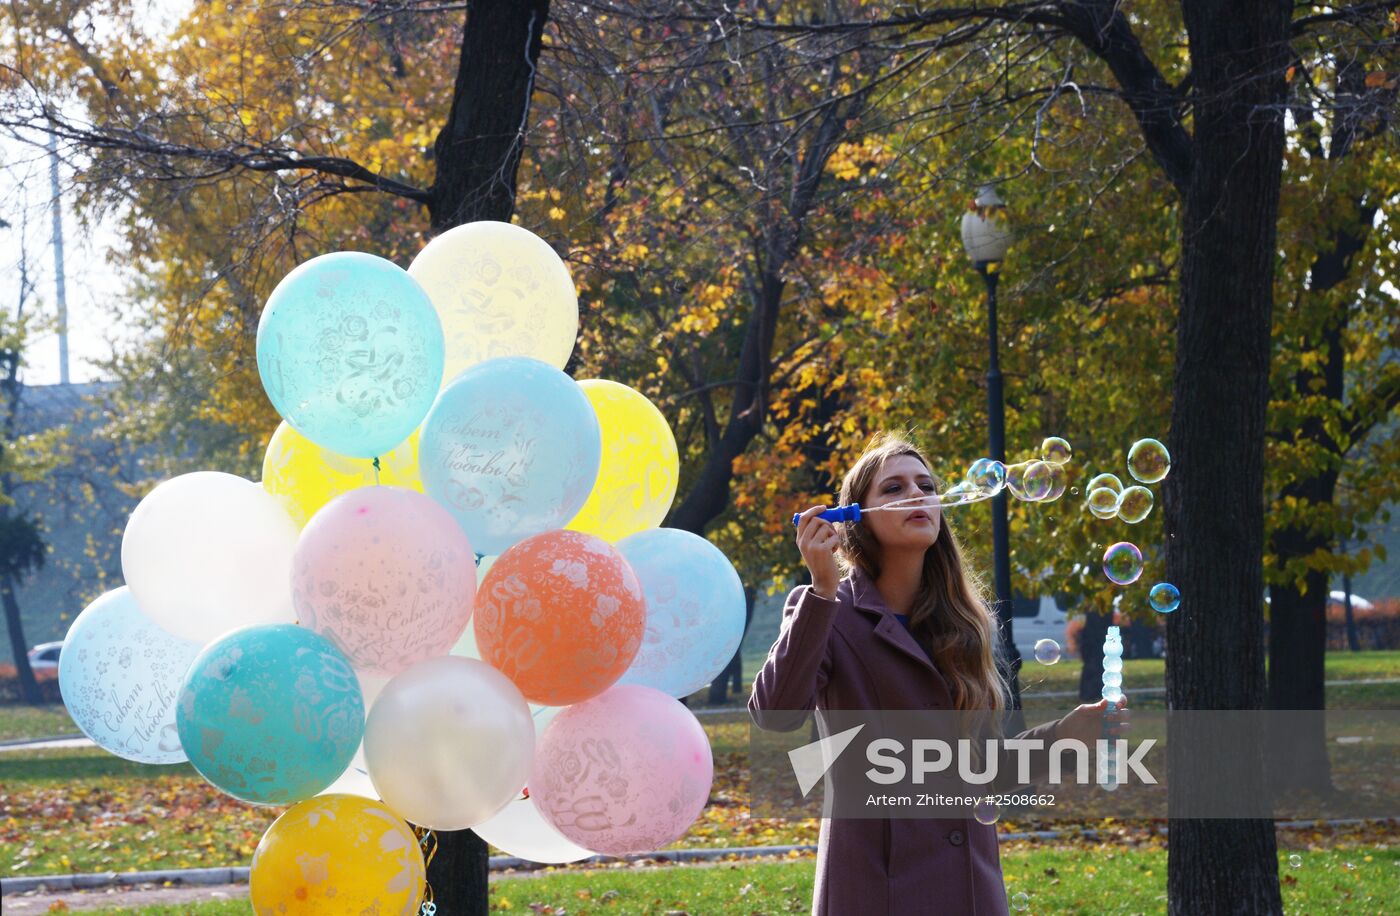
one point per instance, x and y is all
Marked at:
(449, 743)
(520, 831)
(208, 552)
(500, 290)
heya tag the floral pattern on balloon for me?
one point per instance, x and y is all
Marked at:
(120, 674)
(626, 771)
(511, 447)
(387, 575)
(350, 352)
(695, 610)
(337, 854)
(270, 714)
(640, 465)
(500, 290)
(562, 615)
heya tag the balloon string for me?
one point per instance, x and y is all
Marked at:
(424, 835)
(376, 470)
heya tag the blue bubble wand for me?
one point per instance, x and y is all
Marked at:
(954, 496)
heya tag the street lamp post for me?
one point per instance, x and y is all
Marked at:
(987, 240)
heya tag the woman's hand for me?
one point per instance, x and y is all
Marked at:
(1086, 722)
(818, 539)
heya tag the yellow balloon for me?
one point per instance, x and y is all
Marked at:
(304, 477)
(337, 854)
(500, 290)
(640, 467)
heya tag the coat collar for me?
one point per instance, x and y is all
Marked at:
(866, 599)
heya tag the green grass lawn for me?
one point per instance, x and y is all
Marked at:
(1150, 672)
(1082, 880)
(84, 810)
(35, 722)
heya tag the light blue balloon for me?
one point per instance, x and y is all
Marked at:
(271, 714)
(695, 610)
(350, 351)
(511, 447)
(120, 675)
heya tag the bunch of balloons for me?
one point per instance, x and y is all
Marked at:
(448, 603)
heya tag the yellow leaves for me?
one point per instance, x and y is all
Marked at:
(850, 160)
(556, 213)
(634, 253)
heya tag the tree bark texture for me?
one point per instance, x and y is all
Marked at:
(1214, 495)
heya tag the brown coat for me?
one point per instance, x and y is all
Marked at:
(853, 653)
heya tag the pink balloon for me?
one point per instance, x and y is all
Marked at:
(386, 574)
(626, 771)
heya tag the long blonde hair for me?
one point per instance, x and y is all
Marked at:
(950, 616)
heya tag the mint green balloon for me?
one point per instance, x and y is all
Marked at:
(350, 352)
(270, 714)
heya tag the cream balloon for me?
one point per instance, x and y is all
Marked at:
(208, 552)
(500, 290)
(448, 741)
(519, 830)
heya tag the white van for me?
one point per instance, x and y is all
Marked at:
(1034, 619)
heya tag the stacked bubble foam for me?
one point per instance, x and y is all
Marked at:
(1112, 692)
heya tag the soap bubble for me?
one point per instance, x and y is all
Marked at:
(1105, 480)
(1016, 479)
(986, 812)
(1055, 450)
(1164, 597)
(1134, 504)
(1122, 563)
(986, 474)
(1103, 502)
(1112, 694)
(1148, 461)
(1037, 481)
(1113, 664)
(1113, 679)
(1059, 477)
(1047, 651)
(1020, 902)
(1295, 861)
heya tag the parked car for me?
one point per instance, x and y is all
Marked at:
(1358, 603)
(1034, 619)
(44, 657)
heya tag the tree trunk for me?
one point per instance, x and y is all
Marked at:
(478, 150)
(477, 155)
(1298, 617)
(28, 685)
(1214, 495)
(1091, 655)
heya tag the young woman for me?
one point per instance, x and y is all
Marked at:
(906, 628)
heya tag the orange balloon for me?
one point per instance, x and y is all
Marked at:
(562, 615)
